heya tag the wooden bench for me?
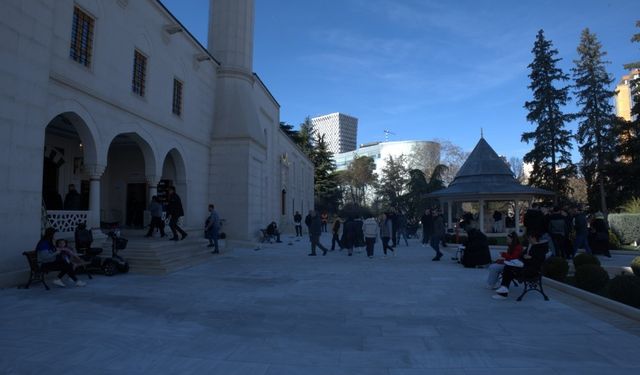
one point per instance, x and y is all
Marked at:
(37, 272)
(532, 282)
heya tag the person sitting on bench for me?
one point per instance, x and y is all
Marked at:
(272, 230)
(514, 251)
(51, 258)
(529, 265)
(476, 252)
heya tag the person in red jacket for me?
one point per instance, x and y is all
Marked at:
(514, 251)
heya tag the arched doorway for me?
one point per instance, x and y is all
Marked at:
(124, 183)
(174, 174)
(68, 143)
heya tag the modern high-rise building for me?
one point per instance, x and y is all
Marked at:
(624, 101)
(340, 131)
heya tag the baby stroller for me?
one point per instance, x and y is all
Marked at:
(115, 263)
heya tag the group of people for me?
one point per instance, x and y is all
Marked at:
(174, 211)
(355, 232)
(56, 255)
(433, 230)
(559, 225)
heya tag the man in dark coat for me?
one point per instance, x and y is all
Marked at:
(476, 252)
(73, 200)
(427, 226)
(534, 221)
(174, 212)
(314, 224)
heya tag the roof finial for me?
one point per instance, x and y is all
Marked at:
(481, 133)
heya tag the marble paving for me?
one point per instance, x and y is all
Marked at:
(277, 311)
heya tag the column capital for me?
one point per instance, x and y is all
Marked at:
(152, 179)
(94, 171)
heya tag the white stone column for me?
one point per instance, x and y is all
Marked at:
(152, 181)
(516, 216)
(95, 172)
(449, 216)
(482, 215)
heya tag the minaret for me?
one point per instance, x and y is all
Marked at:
(231, 43)
(238, 142)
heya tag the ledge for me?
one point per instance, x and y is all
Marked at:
(606, 303)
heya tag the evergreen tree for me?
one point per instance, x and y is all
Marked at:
(392, 183)
(629, 135)
(290, 132)
(358, 178)
(306, 137)
(417, 187)
(327, 186)
(595, 131)
(551, 153)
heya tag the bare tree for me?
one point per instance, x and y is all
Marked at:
(452, 156)
(517, 168)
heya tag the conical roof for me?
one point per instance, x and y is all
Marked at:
(485, 174)
(484, 161)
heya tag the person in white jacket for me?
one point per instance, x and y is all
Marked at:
(370, 231)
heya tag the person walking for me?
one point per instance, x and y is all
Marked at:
(325, 219)
(427, 226)
(212, 228)
(314, 225)
(370, 230)
(559, 231)
(335, 230)
(155, 209)
(581, 230)
(437, 234)
(402, 228)
(174, 212)
(297, 219)
(349, 235)
(385, 234)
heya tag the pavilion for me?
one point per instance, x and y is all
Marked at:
(483, 179)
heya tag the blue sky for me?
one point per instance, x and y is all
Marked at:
(423, 69)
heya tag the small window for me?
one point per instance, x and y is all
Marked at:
(81, 37)
(139, 73)
(177, 97)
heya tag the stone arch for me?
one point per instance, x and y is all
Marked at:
(84, 125)
(174, 169)
(145, 142)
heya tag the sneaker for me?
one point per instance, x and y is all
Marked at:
(312, 254)
(59, 283)
(80, 283)
(370, 256)
(324, 252)
(502, 290)
(500, 297)
(184, 236)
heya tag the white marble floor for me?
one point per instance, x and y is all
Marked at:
(277, 311)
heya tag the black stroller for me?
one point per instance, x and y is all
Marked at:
(106, 265)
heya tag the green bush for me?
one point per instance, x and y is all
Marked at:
(625, 289)
(626, 227)
(591, 277)
(635, 266)
(614, 241)
(556, 268)
(584, 259)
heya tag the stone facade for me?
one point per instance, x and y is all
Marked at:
(118, 147)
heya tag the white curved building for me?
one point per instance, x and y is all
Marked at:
(423, 155)
(119, 99)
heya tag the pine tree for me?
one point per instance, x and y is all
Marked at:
(392, 184)
(327, 186)
(629, 136)
(551, 153)
(595, 131)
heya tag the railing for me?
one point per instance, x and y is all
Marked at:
(65, 222)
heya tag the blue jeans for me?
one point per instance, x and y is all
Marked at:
(213, 237)
(581, 242)
(435, 244)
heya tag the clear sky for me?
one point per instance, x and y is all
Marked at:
(423, 69)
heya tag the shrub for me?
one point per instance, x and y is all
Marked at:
(556, 268)
(625, 289)
(584, 259)
(614, 240)
(632, 206)
(626, 227)
(635, 266)
(591, 277)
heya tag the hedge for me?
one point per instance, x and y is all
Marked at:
(626, 227)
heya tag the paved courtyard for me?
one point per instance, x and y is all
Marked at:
(277, 311)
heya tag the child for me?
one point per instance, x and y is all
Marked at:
(68, 254)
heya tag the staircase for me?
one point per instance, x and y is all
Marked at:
(159, 256)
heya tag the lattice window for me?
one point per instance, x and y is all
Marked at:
(139, 73)
(81, 37)
(177, 97)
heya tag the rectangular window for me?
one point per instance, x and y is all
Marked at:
(139, 73)
(81, 37)
(177, 97)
